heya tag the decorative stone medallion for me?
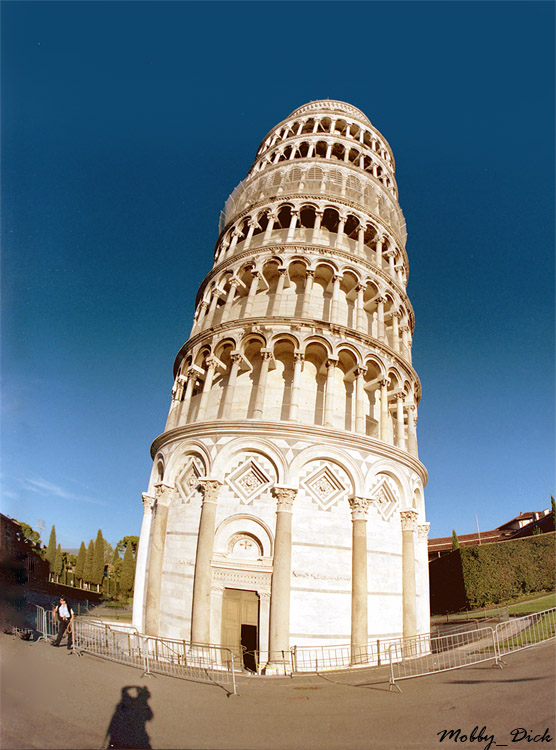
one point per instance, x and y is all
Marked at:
(188, 480)
(324, 487)
(248, 481)
(384, 497)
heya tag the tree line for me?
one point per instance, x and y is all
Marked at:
(96, 567)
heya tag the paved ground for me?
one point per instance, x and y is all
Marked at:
(52, 700)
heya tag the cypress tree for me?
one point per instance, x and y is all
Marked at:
(58, 563)
(89, 561)
(80, 564)
(51, 549)
(553, 506)
(127, 576)
(455, 540)
(98, 560)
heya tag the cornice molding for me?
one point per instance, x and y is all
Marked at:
(270, 430)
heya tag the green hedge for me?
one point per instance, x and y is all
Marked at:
(494, 573)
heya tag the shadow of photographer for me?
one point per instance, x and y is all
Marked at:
(127, 728)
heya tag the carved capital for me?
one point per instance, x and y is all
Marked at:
(163, 494)
(359, 507)
(284, 498)
(210, 489)
(298, 356)
(149, 503)
(423, 531)
(360, 372)
(409, 520)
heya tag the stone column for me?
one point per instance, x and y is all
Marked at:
(335, 295)
(396, 331)
(230, 387)
(361, 322)
(329, 395)
(261, 384)
(156, 559)
(177, 395)
(361, 241)
(272, 216)
(405, 340)
(340, 231)
(380, 315)
(200, 615)
(274, 307)
(378, 248)
(412, 430)
(207, 385)
(215, 296)
(409, 525)
(360, 400)
(234, 283)
(141, 574)
(316, 228)
(423, 603)
(184, 406)
(390, 255)
(400, 432)
(236, 234)
(384, 411)
(279, 642)
(203, 307)
(359, 622)
(307, 293)
(294, 403)
(293, 223)
(251, 295)
(253, 224)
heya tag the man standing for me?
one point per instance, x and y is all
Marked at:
(65, 616)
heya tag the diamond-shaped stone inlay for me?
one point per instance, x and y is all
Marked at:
(188, 481)
(324, 487)
(248, 481)
(383, 496)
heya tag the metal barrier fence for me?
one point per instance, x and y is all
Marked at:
(343, 656)
(168, 656)
(45, 624)
(406, 657)
(524, 632)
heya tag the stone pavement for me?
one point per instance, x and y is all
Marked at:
(54, 700)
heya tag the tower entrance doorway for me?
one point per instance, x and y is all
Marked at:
(240, 625)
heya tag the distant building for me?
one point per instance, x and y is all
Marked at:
(20, 559)
(522, 525)
(286, 505)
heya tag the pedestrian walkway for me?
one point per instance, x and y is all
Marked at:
(52, 700)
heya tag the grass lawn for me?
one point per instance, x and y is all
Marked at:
(528, 605)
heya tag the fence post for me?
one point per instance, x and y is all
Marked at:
(498, 660)
(392, 684)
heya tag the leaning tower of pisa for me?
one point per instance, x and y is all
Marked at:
(285, 505)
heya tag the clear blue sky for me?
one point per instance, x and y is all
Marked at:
(125, 126)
